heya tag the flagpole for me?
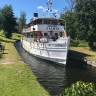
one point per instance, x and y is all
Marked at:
(49, 4)
(48, 7)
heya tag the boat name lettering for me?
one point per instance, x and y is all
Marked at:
(52, 28)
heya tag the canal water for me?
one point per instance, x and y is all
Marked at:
(55, 78)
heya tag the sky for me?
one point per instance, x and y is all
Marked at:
(33, 6)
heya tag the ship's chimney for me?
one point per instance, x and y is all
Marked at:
(35, 16)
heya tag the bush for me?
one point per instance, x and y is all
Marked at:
(80, 89)
(94, 45)
(74, 42)
(83, 43)
(78, 43)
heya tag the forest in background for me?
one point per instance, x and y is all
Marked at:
(80, 19)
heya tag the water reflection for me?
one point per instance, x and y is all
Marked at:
(56, 78)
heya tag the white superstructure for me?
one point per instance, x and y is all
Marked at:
(46, 38)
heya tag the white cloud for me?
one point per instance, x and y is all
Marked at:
(43, 8)
(55, 11)
(40, 7)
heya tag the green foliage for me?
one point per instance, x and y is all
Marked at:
(94, 45)
(1, 20)
(8, 20)
(81, 23)
(69, 18)
(78, 43)
(74, 42)
(22, 21)
(80, 89)
(86, 15)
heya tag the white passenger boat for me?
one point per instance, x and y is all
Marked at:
(46, 38)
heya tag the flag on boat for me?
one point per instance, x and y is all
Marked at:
(49, 4)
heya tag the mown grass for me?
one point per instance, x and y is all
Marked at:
(16, 79)
(90, 55)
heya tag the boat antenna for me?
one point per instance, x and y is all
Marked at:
(49, 4)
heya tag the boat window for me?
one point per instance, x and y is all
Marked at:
(55, 22)
(45, 34)
(34, 22)
(45, 21)
(39, 21)
(51, 22)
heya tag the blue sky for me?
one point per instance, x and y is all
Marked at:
(31, 6)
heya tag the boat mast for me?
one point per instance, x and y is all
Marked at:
(49, 4)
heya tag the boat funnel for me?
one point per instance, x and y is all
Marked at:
(35, 16)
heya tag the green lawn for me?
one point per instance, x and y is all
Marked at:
(16, 79)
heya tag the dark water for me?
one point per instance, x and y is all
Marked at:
(55, 78)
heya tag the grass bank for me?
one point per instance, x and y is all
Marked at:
(16, 79)
(84, 52)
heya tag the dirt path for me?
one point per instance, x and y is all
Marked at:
(5, 63)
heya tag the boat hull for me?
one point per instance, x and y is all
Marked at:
(49, 51)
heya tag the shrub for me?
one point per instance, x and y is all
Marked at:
(80, 89)
(74, 42)
(94, 45)
(78, 43)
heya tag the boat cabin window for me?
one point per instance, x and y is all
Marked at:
(34, 22)
(44, 21)
(51, 21)
(39, 21)
(48, 21)
(54, 22)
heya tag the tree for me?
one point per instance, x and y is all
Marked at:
(22, 21)
(71, 4)
(1, 20)
(86, 14)
(9, 20)
(69, 18)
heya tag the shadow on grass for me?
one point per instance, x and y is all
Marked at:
(19, 36)
(76, 59)
(15, 39)
(4, 53)
(74, 54)
(2, 35)
(6, 41)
